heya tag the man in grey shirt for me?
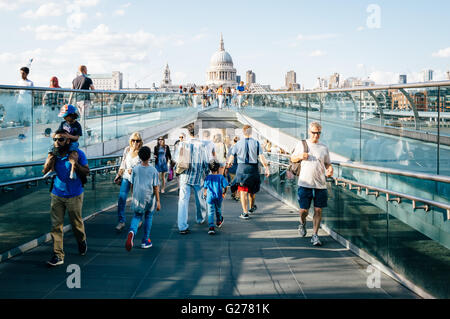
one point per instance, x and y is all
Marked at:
(312, 182)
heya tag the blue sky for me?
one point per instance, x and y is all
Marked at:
(269, 37)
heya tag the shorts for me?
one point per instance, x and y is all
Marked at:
(306, 195)
(244, 189)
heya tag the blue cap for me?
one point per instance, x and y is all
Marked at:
(66, 110)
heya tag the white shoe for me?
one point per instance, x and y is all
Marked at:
(120, 226)
(315, 240)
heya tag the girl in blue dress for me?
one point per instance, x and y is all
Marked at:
(162, 161)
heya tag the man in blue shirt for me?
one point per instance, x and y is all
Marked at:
(248, 151)
(67, 194)
(240, 90)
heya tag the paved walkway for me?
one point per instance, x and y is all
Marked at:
(259, 258)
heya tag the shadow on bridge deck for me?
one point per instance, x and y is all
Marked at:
(260, 258)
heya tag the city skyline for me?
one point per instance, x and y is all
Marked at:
(360, 39)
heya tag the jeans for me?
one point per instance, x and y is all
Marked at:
(147, 226)
(123, 195)
(183, 205)
(214, 209)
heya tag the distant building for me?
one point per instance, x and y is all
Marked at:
(167, 81)
(250, 77)
(334, 81)
(221, 70)
(108, 82)
(427, 75)
(238, 79)
(291, 81)
(366, 82)
(322, 84)
(350, 82)
(402, 79)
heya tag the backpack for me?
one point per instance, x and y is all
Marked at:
(295, 168)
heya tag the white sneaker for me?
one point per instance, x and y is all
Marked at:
(302, 230)
(316, 241)
(120, 226)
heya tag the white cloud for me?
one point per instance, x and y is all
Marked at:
(443, 53)
(317, 53)
(47, 32)
(45, 10)
(360, 29)
(75, 20)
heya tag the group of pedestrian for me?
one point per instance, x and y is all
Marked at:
(223, 97)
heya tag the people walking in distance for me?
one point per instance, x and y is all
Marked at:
(220, 96)
(73, 132)
(228, 96)
(315, 165)
(248, 152)
(180, 89)
(240, 91)
(221, 152)
(66, 194)
(210, 96)
(130, 160)
(24, 102)
(52, 101)
(233, 97)
(83, 100)
(194, 153)
(232, 173)
(145, 201)
(215, 188)
(209, 145)
(163, 159)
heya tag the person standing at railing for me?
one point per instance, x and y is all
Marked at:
(52, 102)
(240, 90)
(67, 194)
(220, 96)
(248, 151)
(312, 184)
(163, 159)
(24, 102)
(83, 100)
(130, 159)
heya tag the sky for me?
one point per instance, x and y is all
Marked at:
(356, 38)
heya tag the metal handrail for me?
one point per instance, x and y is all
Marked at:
(398, 196)
(391, 171)
(39, 163)
(355, 89)
(377, 190)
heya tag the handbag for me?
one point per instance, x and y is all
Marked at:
(183, 160)
(295, 168)
(118, 180)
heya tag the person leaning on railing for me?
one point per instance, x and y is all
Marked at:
(130, 159)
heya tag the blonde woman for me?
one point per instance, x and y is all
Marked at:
(221, 152)
(130, 160)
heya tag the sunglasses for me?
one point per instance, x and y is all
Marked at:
(136, 141)
(318, 133)
(59, 139)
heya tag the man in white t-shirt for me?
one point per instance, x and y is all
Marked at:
(312, 181)
(210, 148)
(24, 98)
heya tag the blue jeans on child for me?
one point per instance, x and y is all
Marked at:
(147, 226)
(123, 195)
(214, 209)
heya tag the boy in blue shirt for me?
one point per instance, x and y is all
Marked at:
(145, 202)
(215, 188)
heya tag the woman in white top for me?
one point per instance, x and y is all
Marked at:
(221, 152)
(130, 159)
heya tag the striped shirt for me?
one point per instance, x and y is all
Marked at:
(198, 162)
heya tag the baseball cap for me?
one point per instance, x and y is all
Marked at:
(66, 110)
